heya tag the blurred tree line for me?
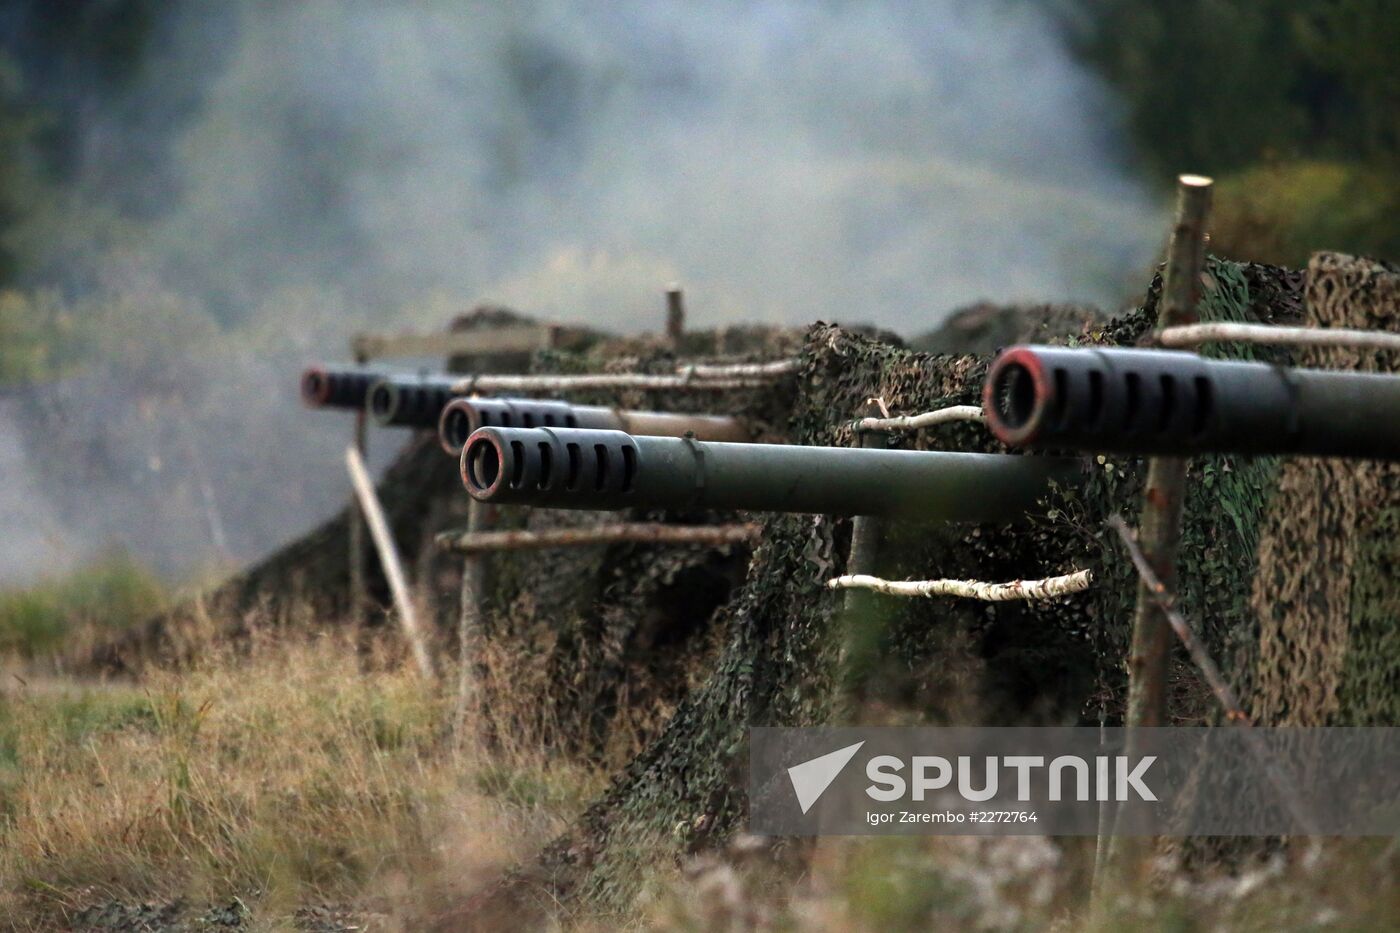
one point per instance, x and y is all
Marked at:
(1293, 105)
(73, 123)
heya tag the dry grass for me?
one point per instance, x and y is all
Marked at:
(302, 780)
(296, 774)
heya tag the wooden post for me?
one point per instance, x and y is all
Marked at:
(860, 606)
(675, 315)
(389, 558)
(359, 597)
(480, 517)
(1160, 526)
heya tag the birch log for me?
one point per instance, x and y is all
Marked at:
(1047, 588)
(1193, 335)
(926, 420)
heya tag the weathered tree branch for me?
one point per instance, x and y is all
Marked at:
(480, 517)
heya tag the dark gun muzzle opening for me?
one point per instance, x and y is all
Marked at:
(463, 416)
(411, 403)
(481, 465)
(315, 386)
(383, 401)
(1012, 398)
(455, 427)
(325, 387)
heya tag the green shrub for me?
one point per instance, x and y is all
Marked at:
(31, 329)
(112, 593)
(1282, 213)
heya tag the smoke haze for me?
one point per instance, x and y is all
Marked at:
(879, 162)
(787, 161)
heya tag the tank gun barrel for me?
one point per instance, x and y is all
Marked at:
(1169, 402)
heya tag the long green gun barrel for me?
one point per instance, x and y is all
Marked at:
(462, 416)
(1173, 402)
(414, 402)
(587, 469)
(323, 387)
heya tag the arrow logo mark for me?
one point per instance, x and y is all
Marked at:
(811, 778)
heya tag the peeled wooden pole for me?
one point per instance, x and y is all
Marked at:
(1234, 713)
(1193, 335)
(389, 558)
(928, 419)
(481, 542)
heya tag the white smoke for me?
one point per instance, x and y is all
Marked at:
(787, 161)
(381, 160)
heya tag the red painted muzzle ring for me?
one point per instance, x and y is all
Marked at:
(1028, 362)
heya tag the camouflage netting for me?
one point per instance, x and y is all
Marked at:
(983, 327)
(1326, 595)
(626, 625)
(1249, 552)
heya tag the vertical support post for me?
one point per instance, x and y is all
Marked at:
(860, 607)
(480, 517)
(1163, 498)
(359, 597)
(1166, 476)
(551, 337)
(675, 315)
